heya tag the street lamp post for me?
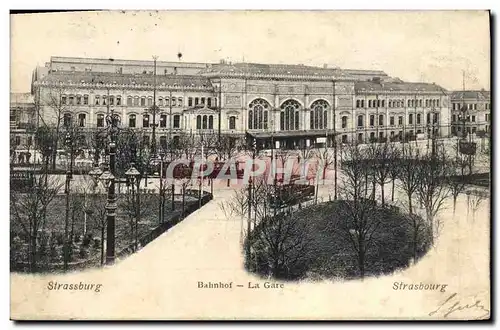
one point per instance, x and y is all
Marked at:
(133, 175)
(108, 178)
(69, 175)
(161, 214)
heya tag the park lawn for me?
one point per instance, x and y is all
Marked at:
(56, 214)
(330, 253)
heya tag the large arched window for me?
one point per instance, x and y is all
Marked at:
(289, 116)
(210, 122)
(319, 114)
(82, 119)
(258, 114)
(100, 120)
(198, 122)
(67, 119)
(344, 121)
(145, 120)
(205, 124)
(131, 121)
(232, 122)
(361, 121)
(177, 121)
(163, 141)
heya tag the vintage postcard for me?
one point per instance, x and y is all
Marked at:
(250, 165)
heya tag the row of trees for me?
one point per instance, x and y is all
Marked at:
(29, 214)
(427, 178)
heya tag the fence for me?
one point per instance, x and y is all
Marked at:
(173, 219)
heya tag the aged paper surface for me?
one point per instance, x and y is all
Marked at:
(162, 279)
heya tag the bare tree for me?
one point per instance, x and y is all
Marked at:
(433, 173)
(303, 156)
(282, 156)
(135, 209)
(355, 170)
(383, 159)
(96, 211)
(282, 245)
(419, 230)
(209, 140)
(187, 146)
(408, 175)
(164, 194)
(187, 149)
(457, 181)
(77, 211)
(474, 199)
(98, 145)
(236, 206)
(394, 171)
(359, 219)
(326, 159)
(58, 106)
(226, 150)
(28, 212)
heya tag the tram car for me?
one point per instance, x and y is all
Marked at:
(290, 194)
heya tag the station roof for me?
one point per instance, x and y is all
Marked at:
(76, 77)
(271, 69)
(397, 86)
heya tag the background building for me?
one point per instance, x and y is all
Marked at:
(292, 104)
(22, 125)
(470, 111)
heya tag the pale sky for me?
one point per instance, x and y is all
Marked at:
(433, 46)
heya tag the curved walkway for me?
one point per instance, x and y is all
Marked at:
(161, 281)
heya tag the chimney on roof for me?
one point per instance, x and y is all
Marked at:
(325, 66)
(222, 61)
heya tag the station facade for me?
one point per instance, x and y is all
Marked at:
(291, 105)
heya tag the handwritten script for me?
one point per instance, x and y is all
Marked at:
(454, 304)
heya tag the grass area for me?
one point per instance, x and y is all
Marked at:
(87, 213)
(316, 243)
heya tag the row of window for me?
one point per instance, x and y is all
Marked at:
(205, 122)
(137, 101)
(469, 130)
(207, 101)
(258, 115)
(161, 101)
(468, 106)
(469, 118)
(381, 135)
(17, 140)
(75, 99)
(258, 119)
(411, 103)
(361, 120)
(132, 120)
